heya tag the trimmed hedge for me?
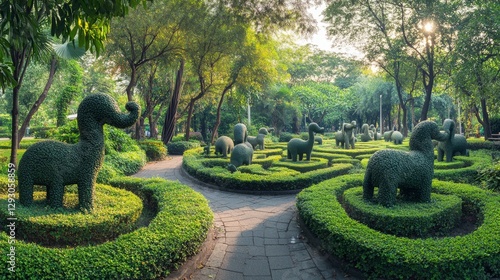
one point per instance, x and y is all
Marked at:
(302, 166)
(176, 232)
(179, 147)
(480, 143)
(472, 256)
(468, 174)
(115, 213)
(350, 152)
(280, 179)
(155, 150)
(407, 219)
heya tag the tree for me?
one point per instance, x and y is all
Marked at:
(477, 59)
(22, 31)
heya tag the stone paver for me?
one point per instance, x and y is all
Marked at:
(258, 235)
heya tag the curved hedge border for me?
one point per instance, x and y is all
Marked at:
(405, 219)
(303, 166)
(278, 179)
(179, 228)
(467, 174)
(115, 213)
(472, 256)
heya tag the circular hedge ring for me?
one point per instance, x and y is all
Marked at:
(115, 212)
(406, 218)
(179, 228)
(472, 256)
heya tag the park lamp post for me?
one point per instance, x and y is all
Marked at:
(380, 124)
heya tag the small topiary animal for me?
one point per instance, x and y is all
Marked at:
(242, 155)
(366, 136)
(411, 171)
(387, 136)
(319, 140)
(456, 143)
(224, 145)
(55, 164)
(348, 133)
(240, 133)
(397, 137)
(298, 147)
(339, 139)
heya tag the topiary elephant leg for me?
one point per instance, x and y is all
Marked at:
(440, 154)
(387, 193)
(55, 194)
(301, 156)
(308, 156)
(449, 154)
(25, 191)
(368, 187)
(424, 194)
(85, 195)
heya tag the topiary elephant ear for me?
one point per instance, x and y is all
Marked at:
(55, 164)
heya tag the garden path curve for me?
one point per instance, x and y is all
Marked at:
(256, 236)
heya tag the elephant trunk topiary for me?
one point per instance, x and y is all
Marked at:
(298, 147)
(411, 171)
(55, 164)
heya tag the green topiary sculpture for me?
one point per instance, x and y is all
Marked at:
(387, 136)
(258, 141)
(348, 133)
(456, 143)
(224, 145)
(397, 137)
(376, 135)
(242, 155)
(339, 139)
(411, 171)
(300, 147)
(240, 133)
(55, 164)
(366, 136)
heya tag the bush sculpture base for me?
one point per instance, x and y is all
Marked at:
(474, 255)
(116, 212)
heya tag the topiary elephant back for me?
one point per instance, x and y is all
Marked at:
(240, 133)
(55, 164)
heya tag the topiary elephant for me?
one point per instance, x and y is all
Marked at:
(348, 133)
(319, 140)
(456, 143)
(366, 136)
(55, 164)
(240, 133)
(298, 147)
(339, 139)
(411, 171)
(224, 145)
(397, 137)
(387, 136)
(376, 135)
(242, 155)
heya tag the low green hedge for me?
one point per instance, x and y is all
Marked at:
(350, 152)
(155, 150)
(449, 165)
(270, 152)
(278, 180)
(480, 143)
(406, 218)
(303, 166)
(179, 147)
(472, 256)
(115, 213)
(176, 232)
(467, 174)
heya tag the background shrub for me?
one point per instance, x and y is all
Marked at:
(155, 150)
(178, 148)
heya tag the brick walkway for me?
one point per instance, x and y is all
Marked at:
(257, 235)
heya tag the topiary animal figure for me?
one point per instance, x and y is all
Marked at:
(348, 133)
(376, 135)
(242, 155)
(240, 133)
(319, 140)
(339, 139)
(456, 143)
(387, 136)
(55, 164)
(397, 137)
(365, 137)
(298, 147)
(224, 145)
(411, 171)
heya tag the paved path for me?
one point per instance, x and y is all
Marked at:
(257, 235)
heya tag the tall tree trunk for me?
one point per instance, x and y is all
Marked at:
(41, 98)
(171, 116)
(20, 60)
(219, 106)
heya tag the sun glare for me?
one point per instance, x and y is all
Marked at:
(429, 27)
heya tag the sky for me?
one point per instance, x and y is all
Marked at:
(320, 38)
